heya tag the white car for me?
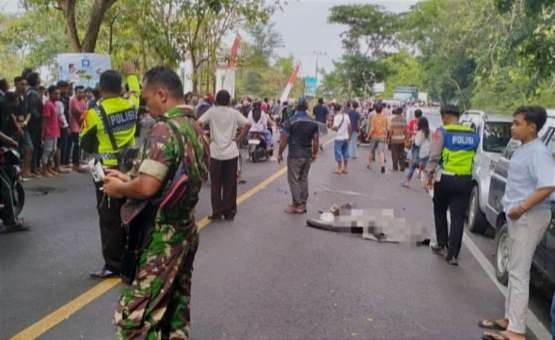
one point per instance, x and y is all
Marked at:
(495, 133)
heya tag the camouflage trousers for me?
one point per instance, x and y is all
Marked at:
(157, 305)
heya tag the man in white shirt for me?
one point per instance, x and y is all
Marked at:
(342, 125)
(224, 122)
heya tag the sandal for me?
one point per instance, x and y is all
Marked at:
(491, 324)
(494, 336)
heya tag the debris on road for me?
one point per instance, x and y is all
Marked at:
(373, 224)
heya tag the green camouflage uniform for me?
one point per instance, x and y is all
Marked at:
(157, 305)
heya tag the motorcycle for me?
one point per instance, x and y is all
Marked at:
(258, 150)
(10, 175)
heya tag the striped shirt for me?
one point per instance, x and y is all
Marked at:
(398, 129)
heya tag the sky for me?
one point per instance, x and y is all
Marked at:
(306, 32)
(304, 29)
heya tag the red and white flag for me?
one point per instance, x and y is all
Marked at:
(290, 83)
(235, 51)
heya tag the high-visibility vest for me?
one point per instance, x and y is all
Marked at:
(122, 115)
(459, 148)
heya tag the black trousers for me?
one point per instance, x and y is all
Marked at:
(223, 187)
(74, 149)
(112, 234)
(398, 156)
(64, 146)
(451, 192)
(35, 130)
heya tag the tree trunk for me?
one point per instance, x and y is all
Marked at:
(195, 77)
(143, 54)
(208, 76)
(97, 14)
(68, 8)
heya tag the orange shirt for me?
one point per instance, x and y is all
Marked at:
(378, 124)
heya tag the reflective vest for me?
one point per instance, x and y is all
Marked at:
(459, 147)
(122, 115)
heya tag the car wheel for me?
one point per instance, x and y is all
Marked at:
(475, 220)
(502, 252)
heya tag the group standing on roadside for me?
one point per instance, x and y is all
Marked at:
(147, 198)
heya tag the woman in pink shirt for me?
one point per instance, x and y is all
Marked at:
(50, 131)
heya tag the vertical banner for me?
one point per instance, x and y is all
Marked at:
(225, 80)
(225, 75)
(235, 48)
(290, 83)
(185, 72)
(82, 68)
(310, 84)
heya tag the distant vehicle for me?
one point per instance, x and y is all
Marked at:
(495, 133)
(544, 258)
(392, 102)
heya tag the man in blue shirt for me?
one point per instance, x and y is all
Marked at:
(300, 133)
(320, 111)
(530, 182)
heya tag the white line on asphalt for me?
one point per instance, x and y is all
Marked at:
(533, 323)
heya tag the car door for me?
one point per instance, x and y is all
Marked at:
(498, 182)
(545, 255)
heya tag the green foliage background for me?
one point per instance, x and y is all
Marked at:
(488, 54)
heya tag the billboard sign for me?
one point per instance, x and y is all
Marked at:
(82, 68)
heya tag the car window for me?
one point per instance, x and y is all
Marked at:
(511, 147)
(551, 143)
(469, 124)
(496, 136)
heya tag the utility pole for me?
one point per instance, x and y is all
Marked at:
(317, 53)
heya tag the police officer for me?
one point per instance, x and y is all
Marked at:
(450, 171)
(109, 131)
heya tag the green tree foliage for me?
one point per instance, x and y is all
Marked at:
(146, 32)
(83, 19)
(402, 69)
(259, 73)
(489, 54)
(371, 36)
(371, 30)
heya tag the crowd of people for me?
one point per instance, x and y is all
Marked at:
(45, 122)
(147, 196)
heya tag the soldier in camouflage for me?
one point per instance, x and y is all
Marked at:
(157, 304)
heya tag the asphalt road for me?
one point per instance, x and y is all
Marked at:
(265, 275)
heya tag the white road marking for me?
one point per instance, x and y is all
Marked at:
(533, 323)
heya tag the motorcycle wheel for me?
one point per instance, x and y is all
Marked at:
(18, 198)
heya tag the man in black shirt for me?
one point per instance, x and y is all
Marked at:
(22, 119)
(64, 152)
(300, 133)
(5, 118)
(33, 106)
(320, 111)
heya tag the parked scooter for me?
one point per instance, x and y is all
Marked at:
(12, 194)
